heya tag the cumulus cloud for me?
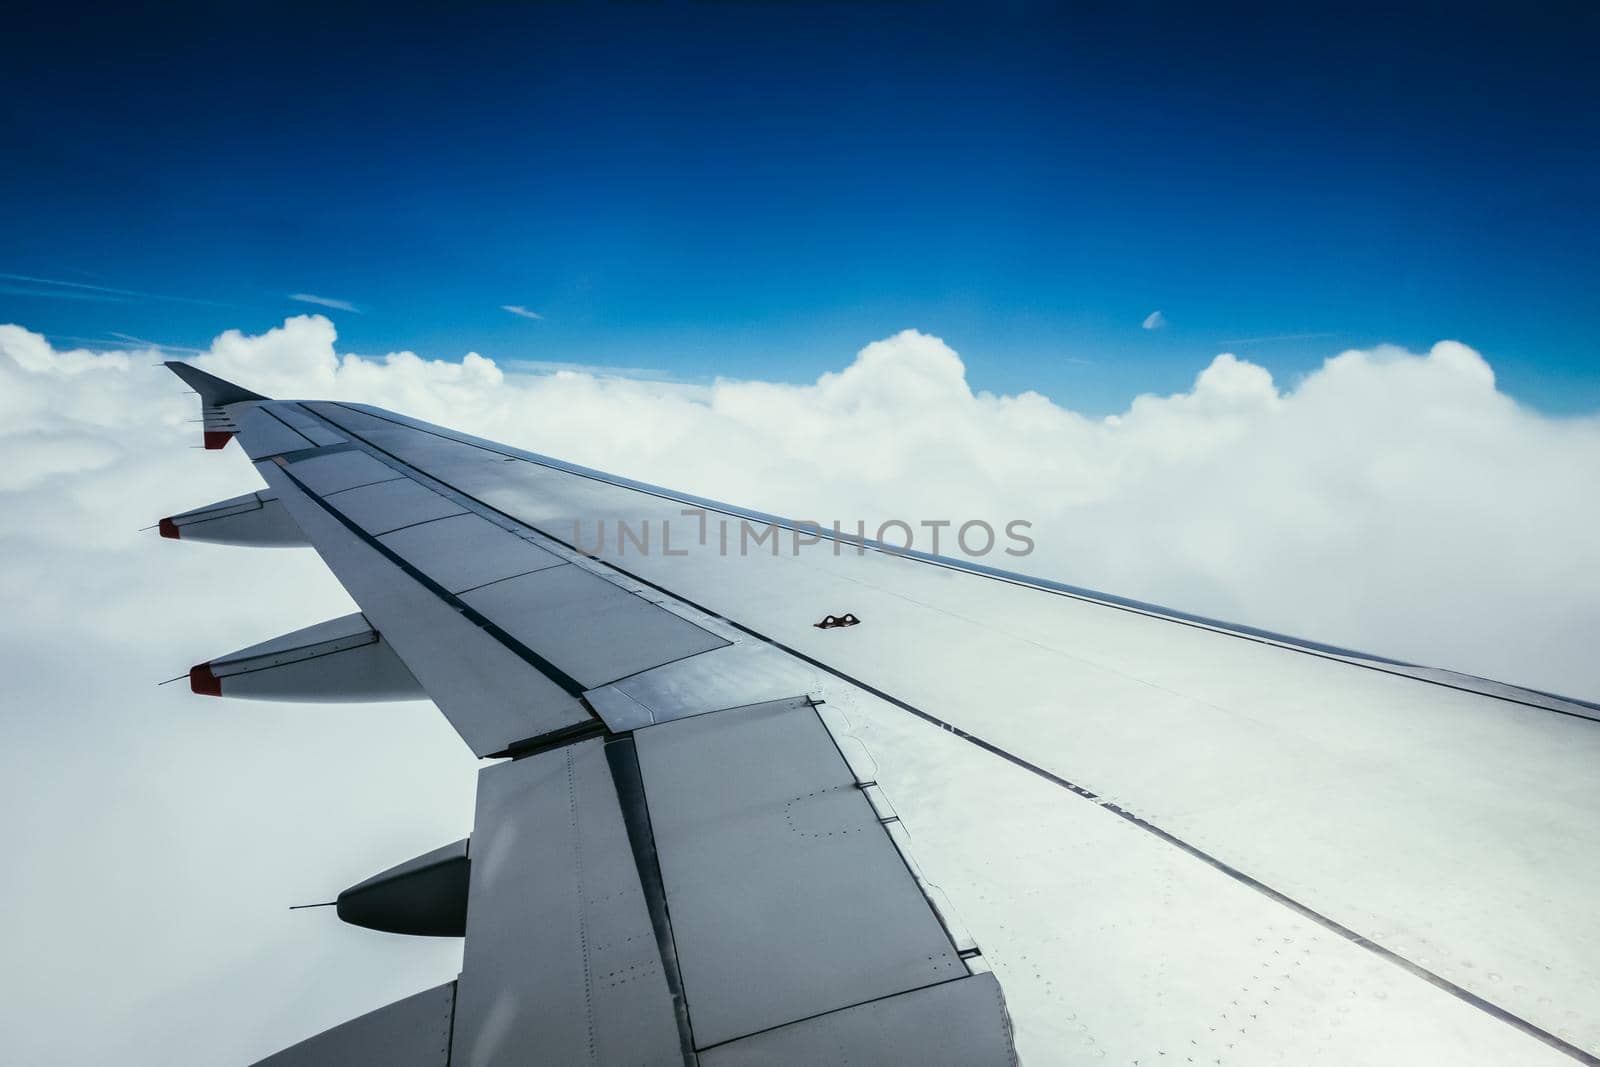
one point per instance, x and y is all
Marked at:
(1154, 321)
(324, 301)
(520, 311)
(1393, 501)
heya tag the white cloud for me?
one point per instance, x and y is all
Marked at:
(1392, 501)
(1154, 321)
(325, 301)
(518, 309)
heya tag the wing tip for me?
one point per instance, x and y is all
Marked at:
(214, 392)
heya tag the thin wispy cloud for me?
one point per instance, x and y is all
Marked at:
(522, 312)
(142, 342)
(1278, 337)
(124, 340)
(325, 301)
(1154, 321)
(65, 290)
(62, 294)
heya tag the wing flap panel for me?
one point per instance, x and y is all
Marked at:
(561, 962)
(304, 423)
(774, 863)
(334, 472)
(462, 552)
(386, 506)
(957, 1024)
(746, 672)
(593, 630)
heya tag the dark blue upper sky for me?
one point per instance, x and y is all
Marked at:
(760, 190)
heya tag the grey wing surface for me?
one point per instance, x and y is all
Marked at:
(1168, 839)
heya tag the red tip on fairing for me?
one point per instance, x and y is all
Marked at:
(203, 682)
(216, 439)
(168, 528)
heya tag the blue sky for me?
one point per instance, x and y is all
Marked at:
(759, 191)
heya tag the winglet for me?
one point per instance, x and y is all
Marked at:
(214, 392)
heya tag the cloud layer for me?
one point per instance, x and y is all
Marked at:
(1391, 501)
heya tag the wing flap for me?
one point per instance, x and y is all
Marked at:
(956, 1024)
(562, 963)
(335, 470)
(593, 630)
(464, 552)
(391, 505)
(775, 864)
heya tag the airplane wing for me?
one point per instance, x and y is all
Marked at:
(769, 794)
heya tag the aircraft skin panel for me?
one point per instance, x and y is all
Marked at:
(1169, 836)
